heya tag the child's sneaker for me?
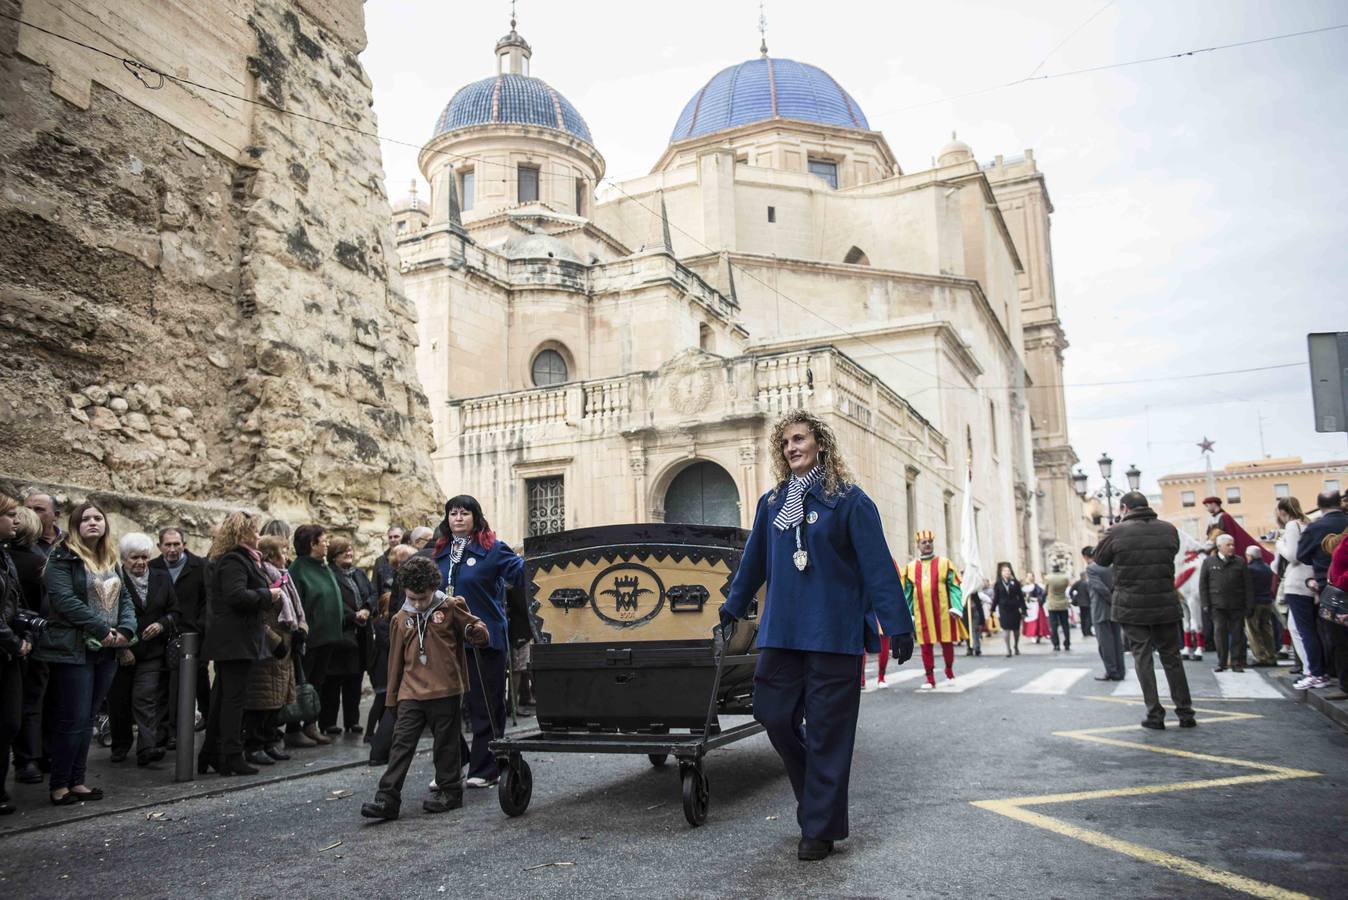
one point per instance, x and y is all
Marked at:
(476, 782)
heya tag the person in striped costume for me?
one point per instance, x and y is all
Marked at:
(931, 585)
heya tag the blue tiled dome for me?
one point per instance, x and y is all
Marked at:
(767, 88)
(513, 99)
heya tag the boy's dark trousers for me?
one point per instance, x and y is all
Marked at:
(444, 718)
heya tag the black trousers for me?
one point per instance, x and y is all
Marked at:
(259, 729)
(29, 742)
(1334, 637)
(138, 697)
(11, 711)
(381, 734)
(224, 723)
(414, 716)
(795, 687)
(486, 708)
(1164, 641)
(343, 691)
(1060, 620)
(1228, 631)
(1085, 614)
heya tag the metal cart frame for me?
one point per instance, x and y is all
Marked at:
(515, 788)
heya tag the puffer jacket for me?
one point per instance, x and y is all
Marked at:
(271, 681)
(1142, 550)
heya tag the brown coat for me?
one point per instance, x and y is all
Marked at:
(445, 673)
(271, 681)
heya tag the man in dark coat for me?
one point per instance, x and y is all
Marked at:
(1108, 633)
(188, 572)
(1228, 597)
(1142, 550)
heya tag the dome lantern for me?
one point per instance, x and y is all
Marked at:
(513, 53)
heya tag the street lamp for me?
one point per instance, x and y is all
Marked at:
(1134, 476)
(1108, 491)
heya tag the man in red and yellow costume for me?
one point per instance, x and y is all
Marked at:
(931, 586)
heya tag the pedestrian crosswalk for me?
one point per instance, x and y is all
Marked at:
(1061, 680)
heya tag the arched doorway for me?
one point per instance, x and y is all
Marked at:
(703, 494)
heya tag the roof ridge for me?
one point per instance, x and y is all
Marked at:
(772, 86)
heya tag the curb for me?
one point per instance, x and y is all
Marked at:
(1336, 712)
(214, 791)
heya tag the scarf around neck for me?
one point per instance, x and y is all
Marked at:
(792, 512)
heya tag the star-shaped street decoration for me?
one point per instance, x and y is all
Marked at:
(1206, 445)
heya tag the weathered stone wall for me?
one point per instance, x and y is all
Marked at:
(177, 325)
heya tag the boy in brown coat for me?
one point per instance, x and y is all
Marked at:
(427, 674)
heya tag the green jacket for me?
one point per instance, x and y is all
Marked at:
(72, 621)
(1055, 586)
(321, 598)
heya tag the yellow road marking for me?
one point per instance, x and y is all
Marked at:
(1145, 854)
(1014, 807)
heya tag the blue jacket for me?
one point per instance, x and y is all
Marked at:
(481, 578)
(846, 598)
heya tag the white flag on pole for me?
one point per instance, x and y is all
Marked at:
(971, 579)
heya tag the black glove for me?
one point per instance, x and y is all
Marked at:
(299, 642)
(901, 647)
(727, 619)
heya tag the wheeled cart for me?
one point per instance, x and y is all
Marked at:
(628, 656)
(688, 747)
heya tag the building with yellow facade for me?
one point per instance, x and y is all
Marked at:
(621, 355)
(1249, 491)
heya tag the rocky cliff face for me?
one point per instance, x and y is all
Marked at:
(177, 326)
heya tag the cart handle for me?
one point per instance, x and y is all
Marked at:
(719, 638)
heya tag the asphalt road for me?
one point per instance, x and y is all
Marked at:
(1260, 810)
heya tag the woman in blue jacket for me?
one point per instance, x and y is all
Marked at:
(832, 593)
(478, 567)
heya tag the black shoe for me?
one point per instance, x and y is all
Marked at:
(1104, 678)
(332, 729)
(379, 809)
(235, 765)
(70, 799)
(207, 762)
(259, 758)
(1189, 723)
(119, 754)
(91, 794)
(278, 755)
(1219, 668)
(7, 808)
(1237, 668)
(1117, 678)
(145, 757)
(441, 802)
(812, 849)
(978, 653)
(1153, 724)
(28, 773)
(377, 762)
(354, 729)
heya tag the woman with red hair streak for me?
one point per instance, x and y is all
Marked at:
(476, 566)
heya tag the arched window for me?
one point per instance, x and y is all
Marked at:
(548, 368)
(703, 494)
(857, 257)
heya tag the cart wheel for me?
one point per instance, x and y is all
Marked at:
(696, 795)
(658, 759)
(515, 788)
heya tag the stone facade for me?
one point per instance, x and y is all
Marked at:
(692, 306)
(199, 296)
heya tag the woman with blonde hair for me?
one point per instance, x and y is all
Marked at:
(240, 596)
(91, 617)
(832, 593)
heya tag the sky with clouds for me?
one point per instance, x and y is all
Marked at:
(1199, 222)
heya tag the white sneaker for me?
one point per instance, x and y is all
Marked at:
(880, 685)
(1302, 684)
(1198, 655)
(1323, 682)
(1187, 654)
(480, 783)
(927, 686)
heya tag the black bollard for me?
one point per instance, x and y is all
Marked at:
(187, 705)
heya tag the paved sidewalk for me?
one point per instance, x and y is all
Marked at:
(128, 786)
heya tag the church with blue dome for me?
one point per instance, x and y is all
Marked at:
(599, 352)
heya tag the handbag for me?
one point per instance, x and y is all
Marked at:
(1334, 604)
(306, 704)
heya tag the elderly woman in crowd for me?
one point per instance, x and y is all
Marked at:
(271, 683)
(379, 724)
(139, 692)
(14, 645)
(323, 610)
(240, 597)
(346, 670)
(91, 617)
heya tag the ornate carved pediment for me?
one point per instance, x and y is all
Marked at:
(687, 384)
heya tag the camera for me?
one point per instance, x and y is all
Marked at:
(29, 624)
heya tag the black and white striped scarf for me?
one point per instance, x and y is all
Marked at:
(792, 512)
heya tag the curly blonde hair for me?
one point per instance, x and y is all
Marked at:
(232, 532)
(837, 477)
